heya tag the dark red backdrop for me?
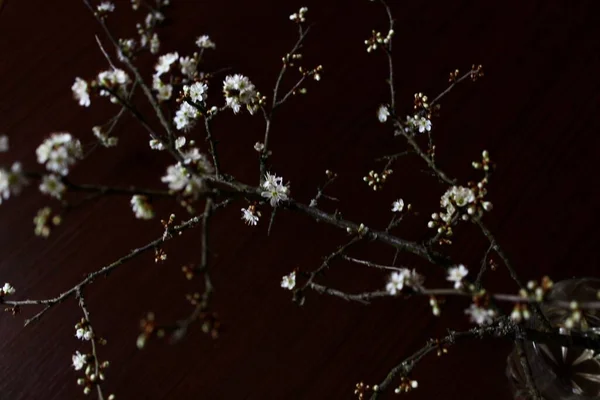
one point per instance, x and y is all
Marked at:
(535, 111)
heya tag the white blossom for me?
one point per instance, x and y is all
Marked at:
(180, 179)
(299, 16)
(3, 143)
(197, 92)
(480, 315)
(7, 289)
(103, 138)
(83, 333)
(204, 42)
(289, 281)
(398, 205)
(141, 207)
(105, 7)
(274, 189)
(383, 113)
(81, 92)
(250, 216)
(456, 275)
(154, 44)
(164, 63)
(185, 117)
(53, 186)
(11, 182)
(180, 142)
(79, 360)
(59, 152)
(156, 144)
(423, 124)
(114, 80)
(396, 281)
(456, 196)
(239, 91)
(189, 65)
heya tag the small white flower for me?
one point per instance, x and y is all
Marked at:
(189, 65)
(8, 289)
(80, 92)
(11, 182)
(114, 80)
(3, 144)
(383, 113)
(396, 281)
(250, 216)
(164, 91)
(164, 63)
(83, 333)
(204, 42)
(423, 124)
(52, 186)
(154, 44)
(259, 147)
(289, 281)
(141, 207)
(105, 7)
(274, 189)
(480, 315)
(179, 179)
(299, 16)
(456, 275)
(180, 142)
(197, 92)
(398, 205)
(79, 361)
(238, 91)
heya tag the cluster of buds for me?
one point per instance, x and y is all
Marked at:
(288, 59)
(315, 72)
(421, 102)
(460, 203)
(486, 165)
(520, 312)
(167, 225)
(361, 390)
(362, 230)
(537, 292)
(435, 306)
(299, 16)
(43, 221)
(575, 317)
(376, 180)
(149, 329)
(189, 270)
(441, 347)
(159, 255)
(92, 377)
(210, 324)
(453, 76)
(406, 385)
(377, 39)
(476, 72)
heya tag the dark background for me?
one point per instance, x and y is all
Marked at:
(535, 111)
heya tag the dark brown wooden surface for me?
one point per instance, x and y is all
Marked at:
(536, 111)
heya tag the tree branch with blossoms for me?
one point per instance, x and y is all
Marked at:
(195, 179)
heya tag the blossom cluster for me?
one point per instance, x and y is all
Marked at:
(6, 290)
(59, 152)
(141, 208)
(238, 92)
(401, 278)
(11, 181)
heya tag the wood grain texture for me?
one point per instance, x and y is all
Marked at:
(535, 111)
